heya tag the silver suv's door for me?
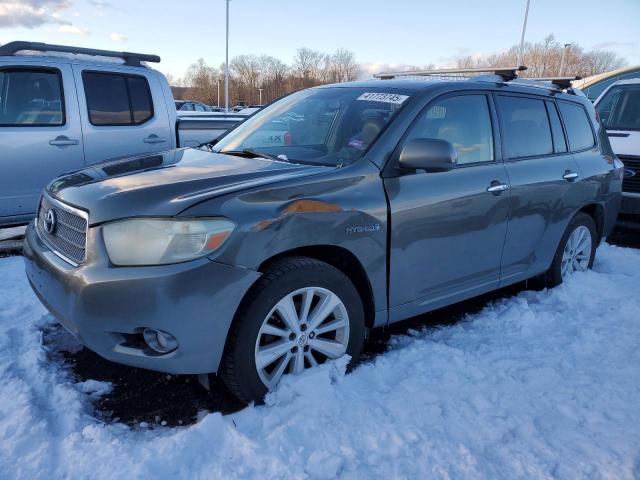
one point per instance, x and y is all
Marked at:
(448, 228)
(546, 187)
(123, 112)
(40, 134)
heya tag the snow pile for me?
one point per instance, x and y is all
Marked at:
(544, 384)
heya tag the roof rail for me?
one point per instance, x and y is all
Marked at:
(506, 73)
(132, 59)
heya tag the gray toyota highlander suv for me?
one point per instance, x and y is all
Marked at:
(333, 211)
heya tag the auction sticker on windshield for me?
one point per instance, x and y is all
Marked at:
(383, 97)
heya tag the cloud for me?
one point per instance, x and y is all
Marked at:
(613, 44)
(32, 13)
(101, 3)
(117, 37)
(74, 30)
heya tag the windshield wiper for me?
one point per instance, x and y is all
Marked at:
(250, 152)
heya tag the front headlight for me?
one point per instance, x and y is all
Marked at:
(153, 241)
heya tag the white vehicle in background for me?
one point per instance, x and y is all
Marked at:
(619, 111)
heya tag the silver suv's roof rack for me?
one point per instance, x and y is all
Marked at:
(561, 82)
(132, 59)
(506, 73)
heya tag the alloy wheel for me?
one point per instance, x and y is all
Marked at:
(577, 252)
(305, 328)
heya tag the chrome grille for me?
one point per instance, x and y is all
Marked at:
(69, 237)
(631, 184)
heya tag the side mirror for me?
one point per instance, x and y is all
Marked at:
(428, 154)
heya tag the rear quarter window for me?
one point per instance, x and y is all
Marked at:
(526, 126)
(577, 125)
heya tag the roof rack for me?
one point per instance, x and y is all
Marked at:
(132, 59)
(561, 82)
(506, 73)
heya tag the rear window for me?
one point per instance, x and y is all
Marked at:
(619, 109)
(114, 99)
(31, 98)
(526, 127)
(577, 125)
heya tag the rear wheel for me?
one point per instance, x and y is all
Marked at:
(576, 251)
(301, 313)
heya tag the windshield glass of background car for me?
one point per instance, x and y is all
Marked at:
(330, 126)
(619, 109)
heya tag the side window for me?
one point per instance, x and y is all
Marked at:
(526, 127)
(578, 126)
(114, 99)
(464, 121)
(31, 98)
(198, 107)
(559, 143)
(619, 109)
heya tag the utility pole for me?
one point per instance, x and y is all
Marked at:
(218, 82)
(226, 66)
(260, 89)
(564, 53)
(524, 29)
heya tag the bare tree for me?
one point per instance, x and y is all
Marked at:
(543, 59)
(202, 79)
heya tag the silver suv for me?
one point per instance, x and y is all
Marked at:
(333, 211)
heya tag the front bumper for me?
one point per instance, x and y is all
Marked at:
(107, 307)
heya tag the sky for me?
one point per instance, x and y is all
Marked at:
(382, 34)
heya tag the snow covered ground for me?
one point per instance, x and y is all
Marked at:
(540, 385)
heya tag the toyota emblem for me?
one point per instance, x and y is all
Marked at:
(50, 221)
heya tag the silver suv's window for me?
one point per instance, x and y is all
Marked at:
(619, 109)
(464, 121)
(31, 98)
(578, 126)
(329, 126)
(525, 126)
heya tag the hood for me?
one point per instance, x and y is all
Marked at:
(165, 184)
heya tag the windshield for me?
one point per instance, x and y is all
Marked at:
(619, 109)
(328, 126)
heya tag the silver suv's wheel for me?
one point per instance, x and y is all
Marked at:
(576, 256)
(304, 328)
(575, 252)
(300, 313)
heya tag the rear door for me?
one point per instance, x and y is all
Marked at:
(448, 229)
(546, 187)
(124, 113)
(40, 134)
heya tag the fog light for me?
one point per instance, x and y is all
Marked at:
(159, 341)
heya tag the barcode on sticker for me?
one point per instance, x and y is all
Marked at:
(383, 97)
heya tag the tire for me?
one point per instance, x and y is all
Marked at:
(554, 276)
(304, 281)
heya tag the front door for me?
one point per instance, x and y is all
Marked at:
(448, 229)
(40, 134)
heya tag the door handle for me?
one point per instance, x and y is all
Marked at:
(62, 141)
(154, 139)
(497, 188)
(569, 176)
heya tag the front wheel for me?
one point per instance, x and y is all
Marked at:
(301, 313)
(576, 252)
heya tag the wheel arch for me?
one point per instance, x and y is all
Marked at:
(596, 212)
(343, 260)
